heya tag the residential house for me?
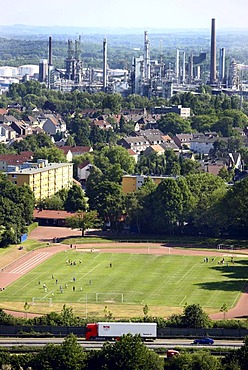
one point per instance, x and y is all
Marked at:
(83, 171)
(133, 154)
(21, 128)
(32, 121)
(3, 112)
(7, 119)
(234, 161)
(214, 167)
(54, 125)
(6, 133)
(102, 124)
(183, 140)
(154, 149)
(202, 145)
(138, 144)
(7, 160)
(72, 151)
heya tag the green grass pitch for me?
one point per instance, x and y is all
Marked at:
(142, 279)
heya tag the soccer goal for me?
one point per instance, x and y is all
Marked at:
(45, 302)
(109, 298)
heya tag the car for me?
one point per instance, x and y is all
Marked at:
(204, 341)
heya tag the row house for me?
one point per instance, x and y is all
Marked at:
(71, 151)
(53, 125)
(7, 160)
(21, 128)
(102, 124)
(138, 144)
(7, 133)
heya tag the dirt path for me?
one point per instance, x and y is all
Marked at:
(21, 266)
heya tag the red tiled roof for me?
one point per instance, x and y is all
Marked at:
(51, 214)
(16, 158)
(84, 164)
(131, 152)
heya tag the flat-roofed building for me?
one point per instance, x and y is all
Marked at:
(45, 179)
(131, 183)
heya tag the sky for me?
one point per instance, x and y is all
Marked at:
(126, 13)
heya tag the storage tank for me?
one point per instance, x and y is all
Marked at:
(28, 69)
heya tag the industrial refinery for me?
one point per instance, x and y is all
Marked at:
(146, 77)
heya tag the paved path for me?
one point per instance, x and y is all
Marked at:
(46, 234)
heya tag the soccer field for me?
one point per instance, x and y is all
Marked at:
(131, 279)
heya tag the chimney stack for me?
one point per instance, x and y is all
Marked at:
(213, 54)
(50, 62)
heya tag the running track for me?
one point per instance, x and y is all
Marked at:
(20, 267)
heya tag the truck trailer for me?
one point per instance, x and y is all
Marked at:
(114, 330)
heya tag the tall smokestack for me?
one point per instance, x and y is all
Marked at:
(104, 64)
(183, 68)
(146, 56)
(50, 62)
(213, 54)
(177, 65)
(222, 64)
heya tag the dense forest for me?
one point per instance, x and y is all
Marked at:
(19, 49)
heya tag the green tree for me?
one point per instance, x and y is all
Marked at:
(34, 142)
(166, 207)
(137, 205)
(237, 360)
(194, 317)
(53, 155)
(54, 202)
(82, 221)
(114, 161)
(224, 309)
(67, 356)
(127, 353)
(107, 199)
(16, 211)
(172, 123)
(76, 200)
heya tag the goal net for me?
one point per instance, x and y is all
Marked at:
(45, 302)
(109, 297)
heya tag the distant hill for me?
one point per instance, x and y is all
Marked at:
(25, 30)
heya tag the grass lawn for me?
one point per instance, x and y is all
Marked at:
(158, 281)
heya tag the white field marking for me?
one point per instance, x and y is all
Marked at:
(87, 273)
(26, 265)
(182, 300)
(186, 273)
(40, 299)
(29, 264)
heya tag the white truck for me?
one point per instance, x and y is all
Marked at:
(114, 330)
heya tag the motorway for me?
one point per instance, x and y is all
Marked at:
(158, 343)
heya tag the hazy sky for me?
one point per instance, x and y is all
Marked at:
(126, 13)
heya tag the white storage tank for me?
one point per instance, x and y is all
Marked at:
(28, 69)
(7, 71)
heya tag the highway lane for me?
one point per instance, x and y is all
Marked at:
(158, 343)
